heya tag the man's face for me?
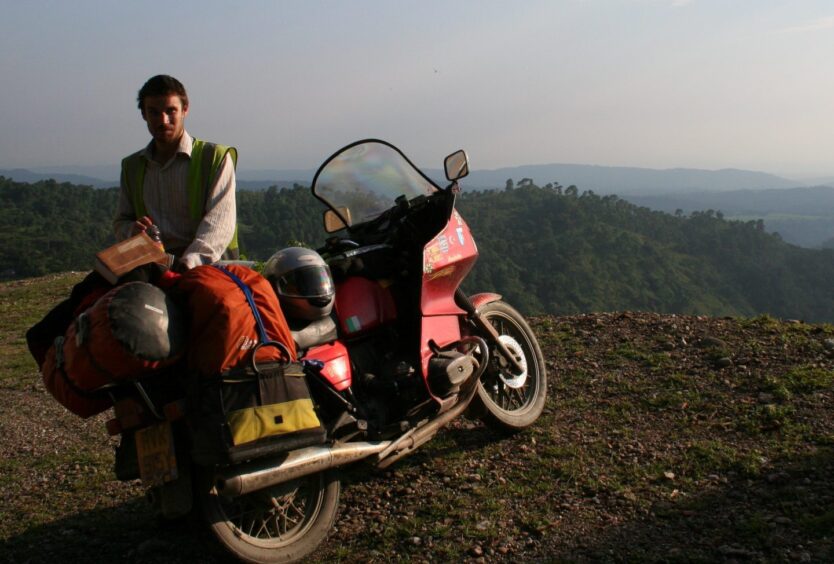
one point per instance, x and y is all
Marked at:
(165, 116)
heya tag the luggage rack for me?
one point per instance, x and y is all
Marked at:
(129, 413)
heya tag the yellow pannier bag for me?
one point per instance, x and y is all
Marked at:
(253, 423)
(246, 413)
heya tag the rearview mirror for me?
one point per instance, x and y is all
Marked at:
(456, 165)
(332, 221)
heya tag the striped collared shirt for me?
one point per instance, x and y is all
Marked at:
(165, 192)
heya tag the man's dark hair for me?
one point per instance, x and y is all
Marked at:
(161, 85)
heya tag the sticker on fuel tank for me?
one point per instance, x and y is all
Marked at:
(443, 272)
(353, 324)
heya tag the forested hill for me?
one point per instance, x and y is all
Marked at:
(569, 252)
(545, 249)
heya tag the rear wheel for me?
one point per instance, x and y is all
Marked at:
(283, 523)
(504, 400)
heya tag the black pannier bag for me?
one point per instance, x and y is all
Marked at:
(252, 411)
(248, 413)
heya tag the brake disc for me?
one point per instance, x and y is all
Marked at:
(511, 380)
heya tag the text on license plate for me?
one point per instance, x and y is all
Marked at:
(155, 450)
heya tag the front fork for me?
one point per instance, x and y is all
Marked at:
(489, 332)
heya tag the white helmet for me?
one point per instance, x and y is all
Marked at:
(302, 281)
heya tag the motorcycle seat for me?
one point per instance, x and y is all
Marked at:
(314, 333)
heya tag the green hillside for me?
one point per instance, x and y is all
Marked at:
(565, 252)
(548, 250)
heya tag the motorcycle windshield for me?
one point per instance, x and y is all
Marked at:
(366, 178)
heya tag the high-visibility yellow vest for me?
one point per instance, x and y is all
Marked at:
(206, 159)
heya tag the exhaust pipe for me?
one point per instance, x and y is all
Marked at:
(409, 442)
(261, 474)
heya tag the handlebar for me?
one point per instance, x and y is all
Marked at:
(361, 251)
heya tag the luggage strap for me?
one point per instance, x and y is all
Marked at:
(264, 340)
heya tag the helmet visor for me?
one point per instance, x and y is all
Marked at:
(307, 282)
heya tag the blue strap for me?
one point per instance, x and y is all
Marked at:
(312, 364)
(248, 293)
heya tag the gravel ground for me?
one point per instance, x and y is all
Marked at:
(665, 438)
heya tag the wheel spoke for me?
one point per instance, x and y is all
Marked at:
(262, 528)
(272, 518)
(502, 395)
(293, 508)
(510, 399)
(519, 393)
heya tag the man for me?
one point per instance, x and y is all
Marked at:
(183, 185)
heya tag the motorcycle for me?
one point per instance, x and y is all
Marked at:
(404, 352)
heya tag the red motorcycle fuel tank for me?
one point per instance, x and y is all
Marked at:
(363, 304)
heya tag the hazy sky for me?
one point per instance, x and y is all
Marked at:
(649, 83)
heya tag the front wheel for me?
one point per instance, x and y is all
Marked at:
(282, 523)
(504, 400)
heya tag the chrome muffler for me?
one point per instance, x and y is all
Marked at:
(260, 474)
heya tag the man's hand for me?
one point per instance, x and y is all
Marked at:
(140, 225)
(180, 267)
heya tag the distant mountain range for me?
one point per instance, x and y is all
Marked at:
(601, 179)
(806, 201)
(26, 175)
(622, 181)
(629, 180)
(97, 176)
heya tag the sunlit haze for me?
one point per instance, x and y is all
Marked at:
(647, 83)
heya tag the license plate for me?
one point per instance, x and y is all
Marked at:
(155, 449)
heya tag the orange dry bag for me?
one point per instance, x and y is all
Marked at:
(223, 328)
(131, 331)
